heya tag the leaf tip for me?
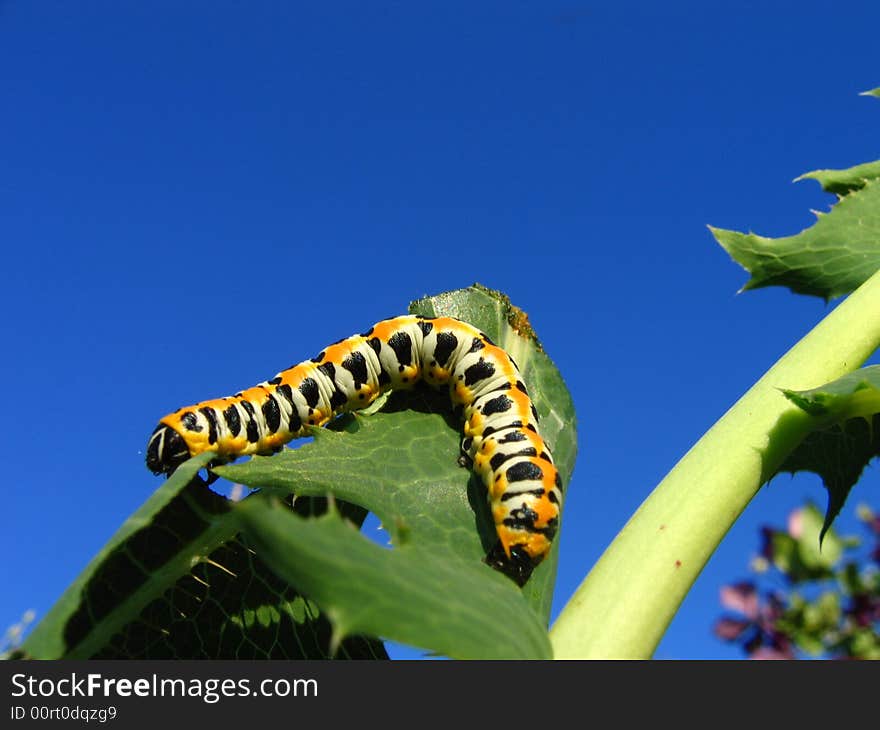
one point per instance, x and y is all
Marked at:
(816, 175)
(814, 406)
(337, 635)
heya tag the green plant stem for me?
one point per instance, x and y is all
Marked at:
(625, 604)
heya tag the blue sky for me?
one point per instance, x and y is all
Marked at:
(194, 195)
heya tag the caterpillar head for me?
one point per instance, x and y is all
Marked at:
(518, 566)
(166, 450)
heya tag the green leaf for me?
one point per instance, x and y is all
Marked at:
(401, 463)
(178, 581)
(841, 182)
(846, 435)
(410, 594)
(818, 558)
(801, 556)
(865, 644)
(851, 580)
(872, 92)
(854, 395)
(814, 625)
(829, 259)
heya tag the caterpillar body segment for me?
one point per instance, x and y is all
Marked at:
(501, 436)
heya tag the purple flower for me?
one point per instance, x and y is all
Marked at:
(766, 652)
(741, 597)
(754, 624)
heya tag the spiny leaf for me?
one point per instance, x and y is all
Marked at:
(400, 464)
(846, 435)
(845, 181)
(831, 258)
(854, 395)
(410, 594)
(177, 581)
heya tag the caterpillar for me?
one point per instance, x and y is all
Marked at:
(501, 441)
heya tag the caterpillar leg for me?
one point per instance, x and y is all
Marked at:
(464, 457)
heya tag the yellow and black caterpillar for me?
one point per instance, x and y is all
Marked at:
(501, 435)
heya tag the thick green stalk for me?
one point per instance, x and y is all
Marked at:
(624, 605)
